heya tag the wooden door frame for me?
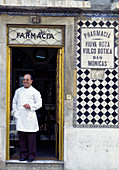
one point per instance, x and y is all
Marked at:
(8, 89)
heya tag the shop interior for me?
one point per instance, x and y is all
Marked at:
(41, 63)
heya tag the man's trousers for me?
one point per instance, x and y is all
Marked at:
(27, 142)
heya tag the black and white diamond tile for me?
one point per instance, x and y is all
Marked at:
(97, 99)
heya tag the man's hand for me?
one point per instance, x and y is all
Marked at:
(27, 106)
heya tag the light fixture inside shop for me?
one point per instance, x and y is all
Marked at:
(41, 54)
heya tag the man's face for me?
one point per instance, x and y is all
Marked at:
(27, 81)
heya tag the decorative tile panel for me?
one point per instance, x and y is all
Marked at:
(96, 103)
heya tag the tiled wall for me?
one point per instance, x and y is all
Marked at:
(96, 104)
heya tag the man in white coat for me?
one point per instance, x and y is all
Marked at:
(25, 101)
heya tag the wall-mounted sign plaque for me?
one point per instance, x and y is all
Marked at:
(35, 36)
(97, 48)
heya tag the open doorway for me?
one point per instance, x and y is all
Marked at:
(41, 63)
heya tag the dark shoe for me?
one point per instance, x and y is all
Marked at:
(30, 159)
(22, 159)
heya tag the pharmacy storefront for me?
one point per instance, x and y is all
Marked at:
(73, 57)
(37, 45)
(39, 51)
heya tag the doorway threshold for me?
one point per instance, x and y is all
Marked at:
(36, 165)
(35, 162)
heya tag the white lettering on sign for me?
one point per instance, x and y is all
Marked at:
(97, 48)
(37, 36)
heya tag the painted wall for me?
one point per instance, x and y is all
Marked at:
(91, 149)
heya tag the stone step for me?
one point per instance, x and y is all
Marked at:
(35, 165)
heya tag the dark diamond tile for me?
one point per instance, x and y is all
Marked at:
(107, 79)
(93, 114)
(107, 100)
(93, 86)
(101, 23)
(114, 72)
(80, 23)
(93, 121)
(114, 100)
(100, 100)
(107, 86)
(87, 72)
(108, 23)
(100, 106)
(114, 23)
(79, 72)
(100, 121)
(86, 100)
(114, 114)
(87, 79)
(100, 93)
(86, 93)
(79, 114)
(79, 120)
(107, 114)
(100, 114)
(114, 121)
(87, 23)
(94, 23)
(80, 106)
(100, 86)
(107, 93)
(93, 106)
(93, 100)
(114, 79)
(79, 86)
(80, 79)
(115, 93)
(86, 121)
(107, 72)
(87, 86)
(114, 107)
(86, 114)
(86, 106)
(93, 93)
(114, 86)
(80, 93)
(107, 107)
(80, 99)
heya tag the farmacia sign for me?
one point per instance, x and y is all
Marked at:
(97, 48)
(35, 36)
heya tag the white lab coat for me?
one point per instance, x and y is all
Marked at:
(26, 119)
